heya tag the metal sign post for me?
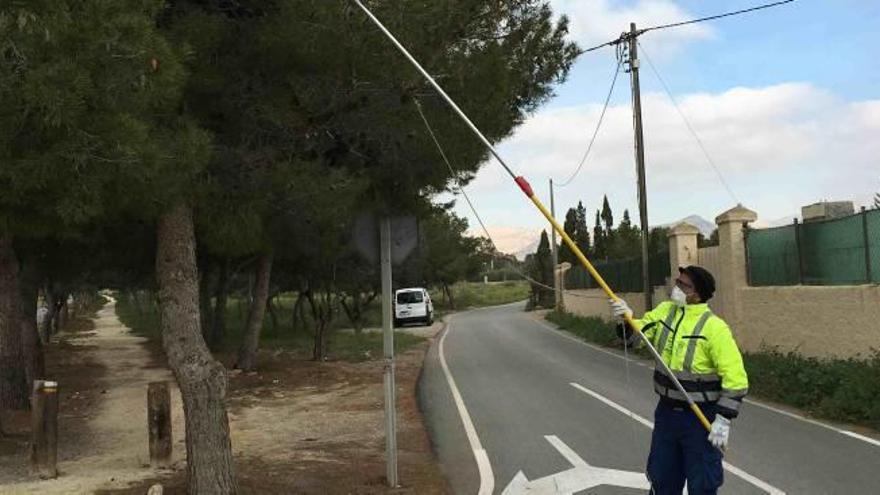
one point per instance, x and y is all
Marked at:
(398, 237)
(388, 346)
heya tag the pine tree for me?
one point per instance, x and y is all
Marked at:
(600, 239)
(542, 271)
(607, 216)
(571, 228)
(81, 90)
(608, 228)
(626, 241)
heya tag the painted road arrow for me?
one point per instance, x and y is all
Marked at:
(581, 476)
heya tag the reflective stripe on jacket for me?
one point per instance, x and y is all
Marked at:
(699, 348)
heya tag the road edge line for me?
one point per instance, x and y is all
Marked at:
(487, 478)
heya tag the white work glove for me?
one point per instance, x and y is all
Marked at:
(720, 432)
(619, 310)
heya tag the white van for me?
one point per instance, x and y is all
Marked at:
(413, 305)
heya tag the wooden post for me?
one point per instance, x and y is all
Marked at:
(800, 251)
(44, 429)
(159, 423)
(868, 275)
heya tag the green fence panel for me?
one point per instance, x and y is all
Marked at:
(831, 252)
(873, 221)
(621, 275)
(577, 278)
(834, 252)
(773, 256)
(660, 268)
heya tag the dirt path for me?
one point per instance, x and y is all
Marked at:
(297, 426)
(114, 453)
(313, 428)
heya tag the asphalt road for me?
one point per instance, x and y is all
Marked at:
(515, 406)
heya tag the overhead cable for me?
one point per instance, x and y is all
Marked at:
(473, 208)
(690, 127)
(596, 131)
(713, 17)
(626, 35)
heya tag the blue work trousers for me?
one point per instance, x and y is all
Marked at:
(680, 451)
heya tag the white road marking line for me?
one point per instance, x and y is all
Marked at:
(563, 334)
(614, 405)
(487, 479)
(566, 451)
(730, 468)
(580, 477)
(848, 433)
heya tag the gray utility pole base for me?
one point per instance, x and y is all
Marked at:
(640, 159)
(388, 347)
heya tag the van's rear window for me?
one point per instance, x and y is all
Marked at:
(409, 297)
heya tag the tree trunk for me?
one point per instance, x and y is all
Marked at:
(318, 350)
(448, 291)
(247, 353)
(353, 312)
(14, 391)
(299, 314)
(356, 309)
(221, 296)
(205, 310)
(48, 321)
(32, 350)
(273, 314)
(202, 379)
(60, 312)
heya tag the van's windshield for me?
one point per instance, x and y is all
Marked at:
(409, 297)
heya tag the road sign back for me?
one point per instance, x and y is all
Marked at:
(404, 237)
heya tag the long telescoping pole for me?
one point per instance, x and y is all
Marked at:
(527, 190)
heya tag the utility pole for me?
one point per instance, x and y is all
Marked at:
(633, 43)
(557, 292)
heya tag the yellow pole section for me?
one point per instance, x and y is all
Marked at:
(611, 295)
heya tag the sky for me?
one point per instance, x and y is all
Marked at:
(786, 102)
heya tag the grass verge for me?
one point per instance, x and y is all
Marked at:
(143, 319)
(838, 389)
(478, 294)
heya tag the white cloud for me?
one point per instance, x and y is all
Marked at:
(596, 21)
(779, 147)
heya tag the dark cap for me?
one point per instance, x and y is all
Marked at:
(704, 282)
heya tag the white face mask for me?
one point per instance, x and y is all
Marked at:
(678, 297)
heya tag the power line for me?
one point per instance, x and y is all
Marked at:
(688, 124)
(623, 37)
(474, 209)
(719, 16)
(595, 132)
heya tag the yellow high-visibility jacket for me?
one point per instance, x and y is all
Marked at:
(699, 348)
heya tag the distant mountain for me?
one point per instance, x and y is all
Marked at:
(513, 240)
(706, 227)
(528, 249)
(522, 242)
